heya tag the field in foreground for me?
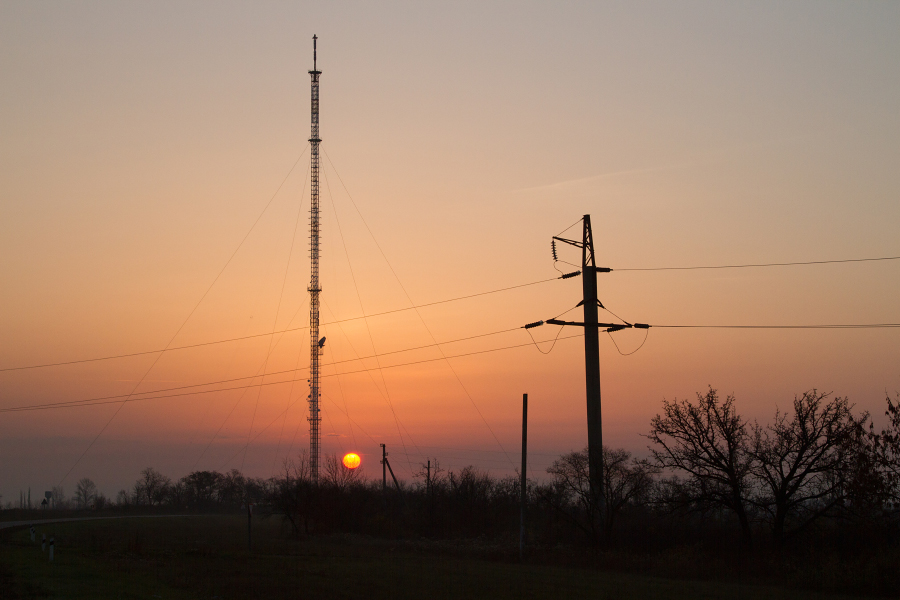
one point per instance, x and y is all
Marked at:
(207, 557)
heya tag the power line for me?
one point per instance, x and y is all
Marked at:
(188, 318)
(387, 392)
(781, 264)
(143, 395)
(427, 304)
(257, 335)
(833, 326)
(241, 387)
(418, 314)
(277, 312)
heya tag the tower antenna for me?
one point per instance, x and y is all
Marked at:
(315, 344)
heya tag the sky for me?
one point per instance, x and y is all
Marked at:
(154, 193)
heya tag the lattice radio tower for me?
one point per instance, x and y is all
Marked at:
(315, 344)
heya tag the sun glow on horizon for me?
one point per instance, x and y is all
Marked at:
(351, 460)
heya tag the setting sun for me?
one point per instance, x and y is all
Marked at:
(351, 460)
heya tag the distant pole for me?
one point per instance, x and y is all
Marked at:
(384, 472)
(249, 527)
(428, 479)
(522, 483)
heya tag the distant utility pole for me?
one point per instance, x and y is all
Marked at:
(385, 464)
(249, 526)
(384, 471)
(315, 343)
(523, 481)
(589, 270)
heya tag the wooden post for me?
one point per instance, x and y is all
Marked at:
(384, 472)
(249, 527)
(523, 481)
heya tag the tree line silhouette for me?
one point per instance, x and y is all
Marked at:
(817, 480)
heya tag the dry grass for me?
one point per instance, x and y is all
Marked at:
(207, 557)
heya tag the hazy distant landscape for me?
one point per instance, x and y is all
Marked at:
(803, 506)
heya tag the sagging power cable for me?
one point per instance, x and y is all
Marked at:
(283, 331)
(269, 383)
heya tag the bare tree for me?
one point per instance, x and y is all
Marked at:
(339, 476)
(294, 494)
(202, 487)
(232, 488)
(626, 481)
(85, 492)
(710, 442)
(58, 497)
(151, 487)
(886, 447)
(571, 479)
(802, 460)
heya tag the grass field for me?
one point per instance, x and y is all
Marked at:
(207, 557)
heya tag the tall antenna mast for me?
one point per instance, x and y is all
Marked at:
(315, 344)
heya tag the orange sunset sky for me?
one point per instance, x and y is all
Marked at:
(141, 141)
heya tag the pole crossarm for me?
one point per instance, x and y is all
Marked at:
(610, 327)
(570, 242)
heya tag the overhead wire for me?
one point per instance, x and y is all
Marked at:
(140, 395)
(101, 401)
(188, 318)
(409, 299)
(287, 268)
(227, 373)
(830, 326)
(365, 320)
(570, 227)
(300, 349)
(427, 304)
(258, 372)
(553, 345)
(241, 397)
(646, 335)
(754, 265)
(358, 426)
(289, 330)
(343, 397)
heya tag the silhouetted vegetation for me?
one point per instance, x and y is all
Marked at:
(809, 499)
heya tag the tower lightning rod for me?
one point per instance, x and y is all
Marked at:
(314, 289)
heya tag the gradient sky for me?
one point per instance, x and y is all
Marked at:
(140, 141)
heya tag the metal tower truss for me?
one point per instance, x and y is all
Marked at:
(315, 344)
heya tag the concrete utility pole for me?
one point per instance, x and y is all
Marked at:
(592, 362)
(591, 355)
(591, 303)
